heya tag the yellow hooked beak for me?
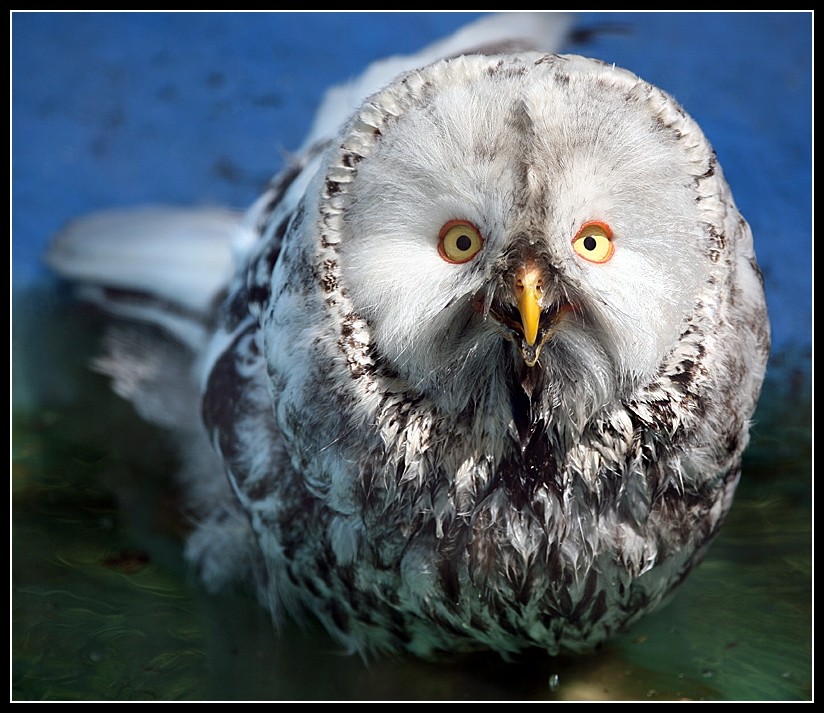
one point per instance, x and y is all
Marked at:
(529, 289)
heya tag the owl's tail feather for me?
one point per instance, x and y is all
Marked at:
(155, 265)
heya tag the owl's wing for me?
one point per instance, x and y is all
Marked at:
(492, 34)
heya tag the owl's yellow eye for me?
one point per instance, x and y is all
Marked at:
(594, 242)
(459, 241)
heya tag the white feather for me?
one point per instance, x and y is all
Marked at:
(182, 257)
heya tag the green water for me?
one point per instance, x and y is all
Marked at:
(103, 607)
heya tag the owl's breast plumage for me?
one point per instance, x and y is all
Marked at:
(501, 525)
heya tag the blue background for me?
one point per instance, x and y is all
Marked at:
(114, 109)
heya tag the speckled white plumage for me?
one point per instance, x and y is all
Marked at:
(403, 461)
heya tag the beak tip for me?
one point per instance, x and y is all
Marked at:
(530, 354)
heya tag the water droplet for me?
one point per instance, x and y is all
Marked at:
(96, 656)
(554, 682)
(708, 673)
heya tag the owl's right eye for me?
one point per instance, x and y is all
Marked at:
(459, 241)
(593, 242)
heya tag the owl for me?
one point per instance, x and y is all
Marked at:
(475, 372)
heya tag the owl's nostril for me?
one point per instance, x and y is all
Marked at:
(528, 278)
(522, 284)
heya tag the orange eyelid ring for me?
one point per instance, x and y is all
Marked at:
(459, 241)
(593, 242)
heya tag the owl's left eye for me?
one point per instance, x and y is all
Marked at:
(593, 242)
(459, 241)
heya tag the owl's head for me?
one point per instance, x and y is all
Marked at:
(494, 214)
